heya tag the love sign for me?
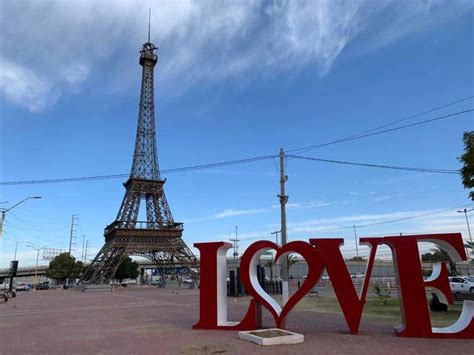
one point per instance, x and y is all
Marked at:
(324, 254)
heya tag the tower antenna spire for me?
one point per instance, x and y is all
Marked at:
(149, 21)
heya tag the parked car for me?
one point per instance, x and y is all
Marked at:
(42, 286)
(357, 275)
(21, 287)
(461, 285)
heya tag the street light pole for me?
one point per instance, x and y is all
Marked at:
(276, 236)
(355, 238)
(466, 211)
(276, 242)
(4, 212)
(16, 248)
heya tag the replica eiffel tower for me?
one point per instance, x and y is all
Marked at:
(159, 237)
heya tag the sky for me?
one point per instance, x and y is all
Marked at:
(235, 80)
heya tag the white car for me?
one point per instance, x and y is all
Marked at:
(21, 286)
(461, 285)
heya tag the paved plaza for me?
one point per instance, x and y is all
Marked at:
(148, 320)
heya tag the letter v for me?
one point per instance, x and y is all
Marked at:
(351, 305)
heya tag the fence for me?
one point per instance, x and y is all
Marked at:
(236, 289)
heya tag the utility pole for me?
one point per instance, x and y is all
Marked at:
(37, 259)
(2, 217)
(72, 235)
(283, 200)
(466, 211)
(276, 236)
(85, 252)
(236, 243)
(83, 246)
(355, 238)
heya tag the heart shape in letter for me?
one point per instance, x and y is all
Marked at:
(248, 266)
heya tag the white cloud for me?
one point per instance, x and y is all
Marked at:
(247, 212)
(387, 197)
(24, 88)
(425, 221)
(226, 214)
(54, 46)
(310, 204)
(233, 213)
(428, 221)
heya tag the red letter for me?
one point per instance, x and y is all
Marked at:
(351, 305)
(213, 291)
(411, 287)
(248, 274)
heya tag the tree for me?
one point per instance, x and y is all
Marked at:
(382, 294)
(64, 266)
(292, 260)
(128, 269)
(467, 159)
(439, 254)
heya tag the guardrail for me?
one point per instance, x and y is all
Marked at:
(463, 296)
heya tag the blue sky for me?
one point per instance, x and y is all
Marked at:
(234, 81)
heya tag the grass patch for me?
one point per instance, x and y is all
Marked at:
(375, 310)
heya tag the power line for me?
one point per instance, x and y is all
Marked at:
(60, 180)
(351, 227)
(28, 233)
(115, 176)
(412, 116)
(254, 159)
(424, 170)
(409, 217)
(33, 223)
(360, 136)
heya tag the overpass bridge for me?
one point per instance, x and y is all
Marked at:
(300, 269)
(31, 271)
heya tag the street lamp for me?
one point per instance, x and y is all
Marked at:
(16, 248)
(276, 236)
(275, 233)
(466, 211)
(37, 258)
(4, 211)
(357, 244)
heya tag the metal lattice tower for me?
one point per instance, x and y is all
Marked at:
(159, 237)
